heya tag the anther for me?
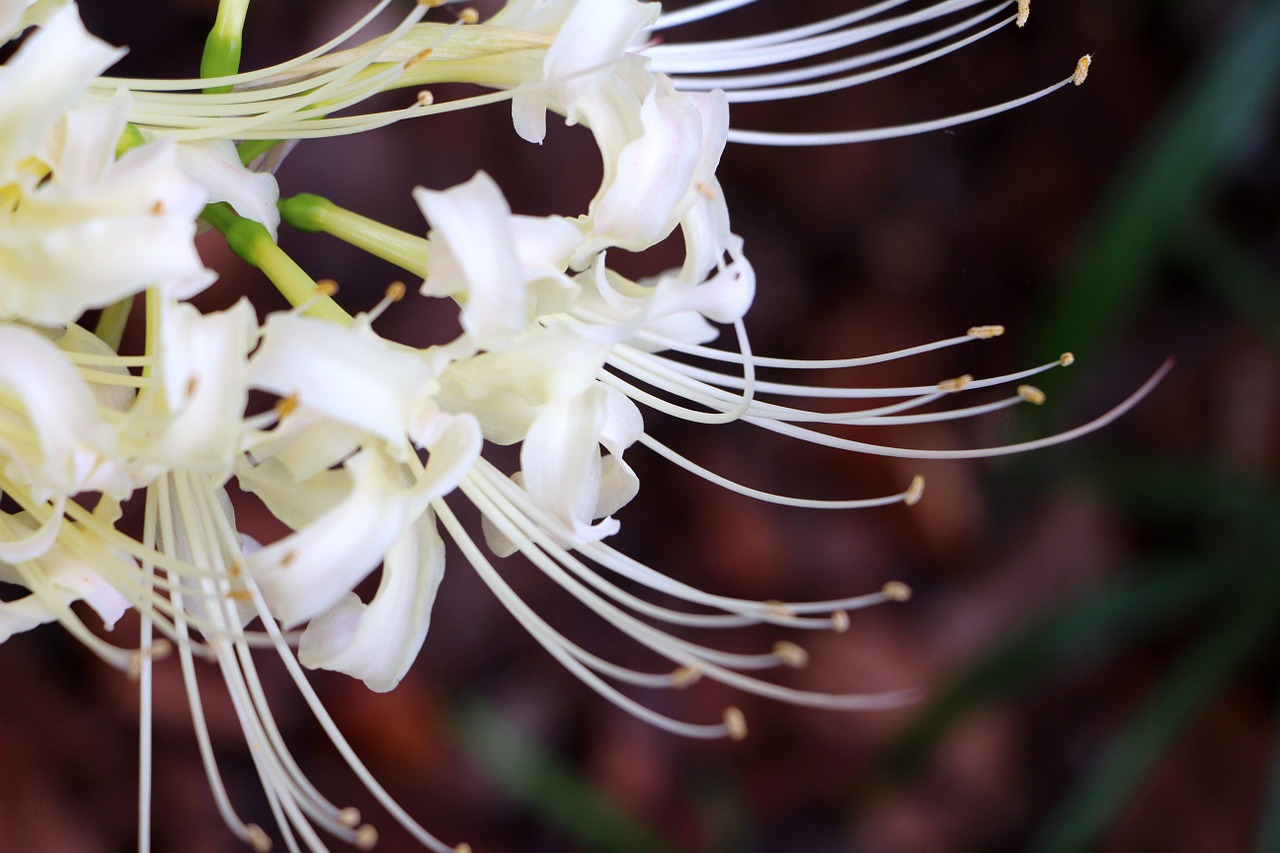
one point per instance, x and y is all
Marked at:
(1031, 394)
(288, 559)
(1066, 359)
(1024, 12)
(915, 491)
(395, 291)
(778, 609)
(957, 384)
(790, 654)
(257, 838)
(1082, 69)
(735, 723)
(326, 287)
(157, 207)
(685, 676)
(986, 332)
(366, 837)
(464, 847)
(286, 406)
(839, 621)
(705, 190)
(896, 591)
(192, 384)
(469, 16)
(432, 4)
(240, 595)
(349, 816)
(425, 98)
(418, 57)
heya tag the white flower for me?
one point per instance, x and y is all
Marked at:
(80, 229)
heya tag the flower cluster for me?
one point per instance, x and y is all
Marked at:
(370, 442)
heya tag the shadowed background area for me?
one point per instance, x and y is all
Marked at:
(1093, 626)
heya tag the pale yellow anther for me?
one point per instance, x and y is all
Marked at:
(288, 559)
(159, 650)
(915, 491)
(957, 384)
(1066, 359)
(286, 406)
(326, 287)
(1082, 70)
(896, 591)
(1031, 394)
(685, 676)
(1024, 12)
(779, 609)
(986, 332)
(418, 58)
(240, 594)
(735, 724)
(157, 207)
(257, 838)
(350, 816)
(237, 570)
(705, 190)
(469, 16)
(839, 621)
(425, 98)
(789, 654)
(366, 838)
(464, 847)
(193, 382)
(432, 4)
(396, 291)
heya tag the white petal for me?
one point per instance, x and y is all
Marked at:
(308, 572)
(378, 642)
(216, 167)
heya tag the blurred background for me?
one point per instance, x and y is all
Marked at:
(1094, 625)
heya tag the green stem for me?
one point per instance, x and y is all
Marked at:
(252, 242)
(223, 46)
(312, 213)
(111, 322)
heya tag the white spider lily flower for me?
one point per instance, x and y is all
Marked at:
(504, 269)
(82, 229)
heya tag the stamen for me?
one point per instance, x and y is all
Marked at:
(915, 491)
(790, 654)
(896, 591)
(1031, 394)
(350, 816)
(1024, 12)
(985, 332)
(957, 384)
(1066, 359)
(326, 287)
(1082, 69)
(735, 723)
(840, 622)
(684, 677)
(469, 16)
(366, 837)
